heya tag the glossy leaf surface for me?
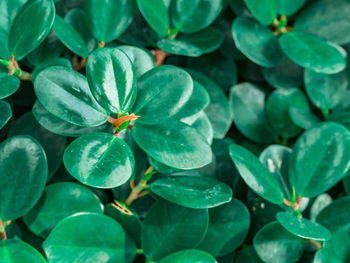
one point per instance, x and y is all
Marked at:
(192, 191)
(265, 11)
(189, 256)
(8, 84)
(99, 160)
(89, 237)
(72, 103)
(16, 251)
(286, 7)
(23, 174)
(5, 113)
(112, 79)
(30, 27)
(256, 175)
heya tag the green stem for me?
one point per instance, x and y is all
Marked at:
(139, 251)
(284, 141)
(135, 193)
(172, 33)
(325, 113)
(315, 243)
(2, 230)
(6, 63)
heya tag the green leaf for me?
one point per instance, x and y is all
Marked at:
(313, 53)
(274, 244)
(181, 228)
(228, 227)
(320, 159)
(325, 91)
(141, 58)
(342, 117)
(276, 160)
(89, 237)
(319, 204)
(247, 255)
(285, 75)
(278, 105)
(217, 110)
(336, 216)
(288, 8)
(173, 143)
(198, 101)
(248, 109)
(161, 93)
(302, 227)
(112, 79)
(256, 175)
(72, 103)
(50, 63)
(189, 256)
(9, 84)
(100, 160)
(257, 42)
(5, 113)
(156, 14)
(53, 144)
(326, 20)
(23, 174)
(217, 67)
(202, 125)
(302, 118)
(16, 251)
(58, 201)
(193, 45)
(30, 27)
(339, 245)
(59, 126)
(8, 12)
(324, 255)
(265, 11)
(107, 20)
(192, 191)
(70, 37)
(191, 17)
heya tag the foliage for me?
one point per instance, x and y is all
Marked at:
(174, 131)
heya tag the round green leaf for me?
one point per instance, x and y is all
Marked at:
(173, 143)
(181, 228)
(59, 126)
(285, 75)
(336, 216)
(276, 159)
(256, 175)
(193, 45)
(202, 125)
(156, 14)
(5, 113)
(326, 20)
(50, 63)
(190, 17)
(217, 67)
(53, 144)
(65, 93)
(218, 108)
(100, 160)
(256, 41)
(302, 118)
(9, 84)
(265, 11)
(112, 79)
(228, 228)
(302, 227)
(248, 109)
(319, 204)
(320, 159)
(192, 191)
(58, 201)
(23, 174)
(70, 37)
(247, 255)
(141, 58)
(189, 256)
(198, 101)
(277, 110)
(325, 255)
(339, 245)
(287, 7)
(89, 237)
(161, 93)
(16, 251)
(325, 91)
(107, 20)
(274, 244)
(30, 27)
(313, 53)
(342, 117)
